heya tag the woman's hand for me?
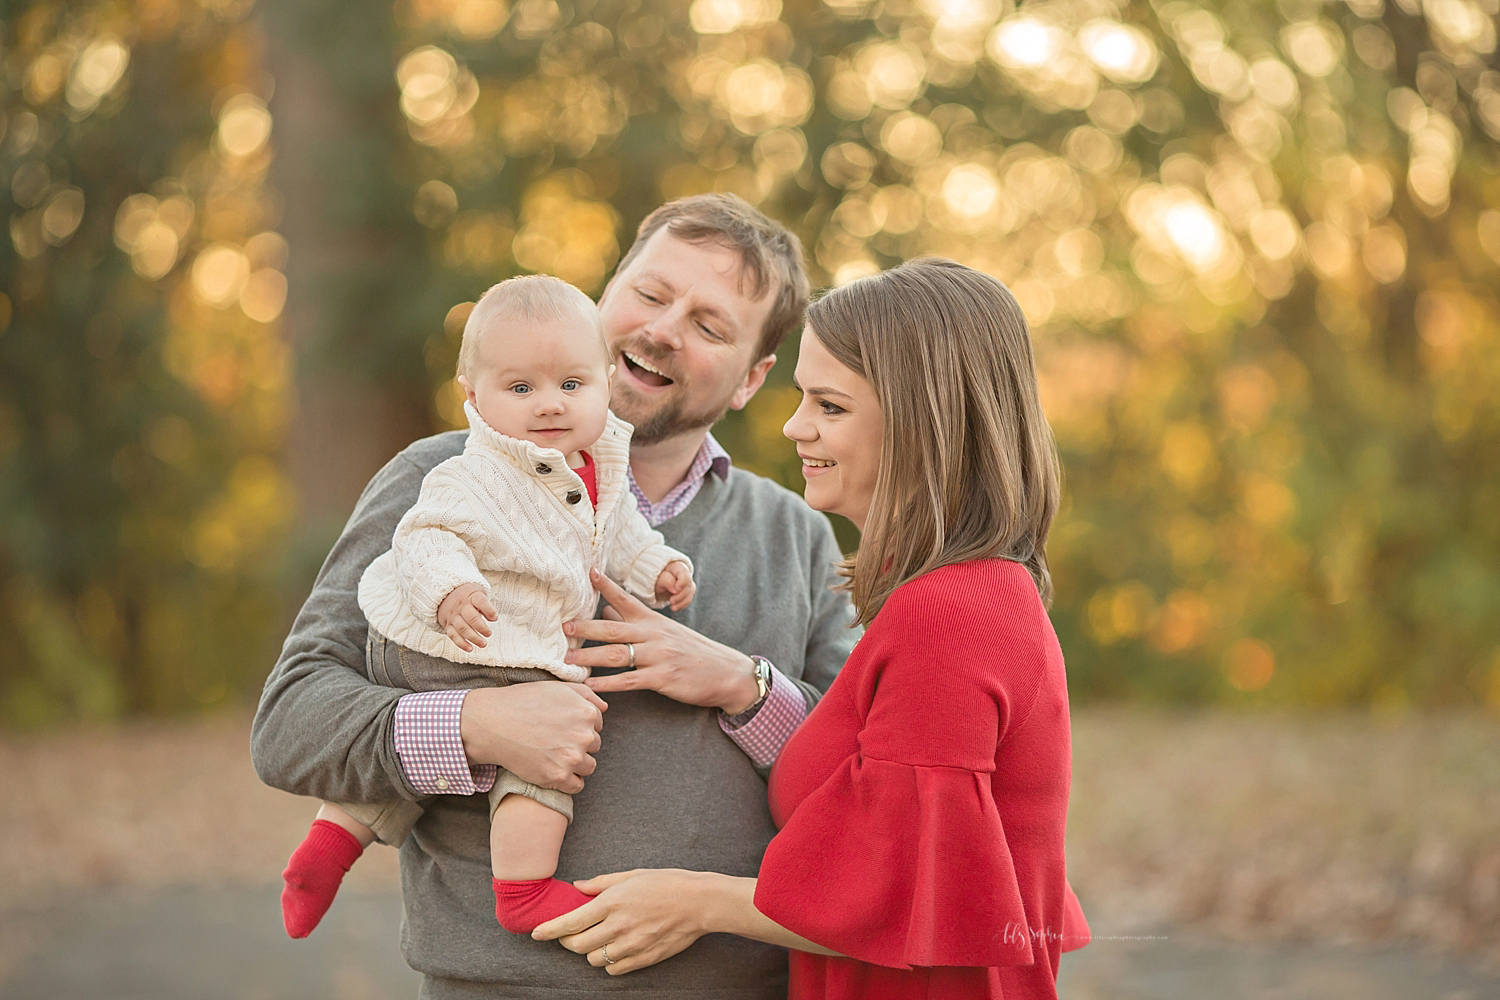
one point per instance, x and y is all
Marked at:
(637, 917)
(669, 657)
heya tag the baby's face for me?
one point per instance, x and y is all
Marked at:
(543, 381)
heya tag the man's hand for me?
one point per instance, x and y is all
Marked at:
(675, 587)
(669, 657)
(465, 615)
(543, 731)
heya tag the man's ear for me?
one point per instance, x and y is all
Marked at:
(754, 379)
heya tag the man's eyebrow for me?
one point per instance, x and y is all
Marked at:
(723, 316)
(660, 279)
(708, 308)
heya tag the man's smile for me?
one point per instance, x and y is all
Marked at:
(644, 371)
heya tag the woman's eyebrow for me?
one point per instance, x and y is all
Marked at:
(819, 390)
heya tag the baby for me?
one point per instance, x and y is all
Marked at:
(504, 533)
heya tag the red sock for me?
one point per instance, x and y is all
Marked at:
(523, 906)
(313, 875)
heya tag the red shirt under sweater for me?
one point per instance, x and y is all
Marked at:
(590, 477)
(922, 804)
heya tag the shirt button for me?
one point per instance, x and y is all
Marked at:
(543, 469)
(574, 496)
(442, 784)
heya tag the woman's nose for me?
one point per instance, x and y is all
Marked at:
(796, 426)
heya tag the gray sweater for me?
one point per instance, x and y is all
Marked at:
(671, 790)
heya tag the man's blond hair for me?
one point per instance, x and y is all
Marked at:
(770, 254)
(531, 297)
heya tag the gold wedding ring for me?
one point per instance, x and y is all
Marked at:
(604, 954)
(630, 646)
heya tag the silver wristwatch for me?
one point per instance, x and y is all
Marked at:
(762, 677)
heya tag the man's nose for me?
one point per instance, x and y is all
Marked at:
(666, 327)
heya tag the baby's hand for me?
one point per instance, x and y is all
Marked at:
(675, 587)
(464, 615)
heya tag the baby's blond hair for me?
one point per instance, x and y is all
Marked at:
(530, 296)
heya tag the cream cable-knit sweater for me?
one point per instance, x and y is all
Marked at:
(511, 516)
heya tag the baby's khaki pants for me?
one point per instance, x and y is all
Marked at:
(393, 665)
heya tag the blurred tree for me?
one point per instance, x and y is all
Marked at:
(1258, 243)
(143, 379)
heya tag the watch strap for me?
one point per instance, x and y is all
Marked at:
(763, 682)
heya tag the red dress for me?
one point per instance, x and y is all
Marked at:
(922, 804)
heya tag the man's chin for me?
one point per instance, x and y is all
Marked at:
(632, 409)
(664, 423)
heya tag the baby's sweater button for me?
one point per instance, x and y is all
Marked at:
(542, 470)
(574, 496)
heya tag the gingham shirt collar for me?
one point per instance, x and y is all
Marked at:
(711, 457)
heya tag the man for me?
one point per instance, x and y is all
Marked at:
(692, 316)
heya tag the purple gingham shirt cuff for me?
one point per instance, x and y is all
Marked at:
(764, 734)
(431, 748)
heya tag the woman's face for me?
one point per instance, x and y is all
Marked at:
(837, 428)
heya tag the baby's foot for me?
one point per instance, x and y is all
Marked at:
(313, 875)
(522, 906)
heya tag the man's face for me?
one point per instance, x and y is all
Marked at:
(684, 337)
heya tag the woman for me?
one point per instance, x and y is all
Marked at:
(922, 805)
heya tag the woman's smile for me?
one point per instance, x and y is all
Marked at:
(816, 466)
(838, 430)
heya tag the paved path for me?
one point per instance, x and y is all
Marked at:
(202, 944)
(227, 944)
(1183, 967)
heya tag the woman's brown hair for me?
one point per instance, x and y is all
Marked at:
(968, 466)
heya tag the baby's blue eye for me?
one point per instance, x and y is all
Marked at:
(520, 389)
(571, 384)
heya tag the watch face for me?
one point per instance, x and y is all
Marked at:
(762, 676)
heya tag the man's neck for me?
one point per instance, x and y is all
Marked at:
(659, 468)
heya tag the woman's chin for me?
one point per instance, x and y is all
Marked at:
(827, 501)
(818, 496)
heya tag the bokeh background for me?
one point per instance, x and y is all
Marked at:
(1258, 243)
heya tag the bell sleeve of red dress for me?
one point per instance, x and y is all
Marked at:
(900, 858)
(1076, 931)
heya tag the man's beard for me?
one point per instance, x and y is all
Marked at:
(668, 421)
(670, 418)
